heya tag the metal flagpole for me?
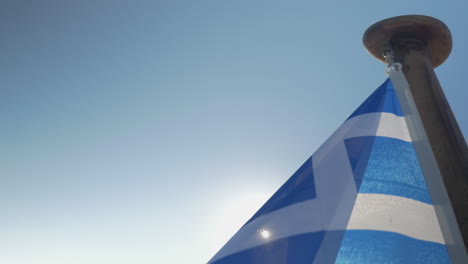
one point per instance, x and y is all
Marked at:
(412, 46)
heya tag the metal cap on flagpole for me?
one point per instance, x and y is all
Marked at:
(410, 30)
(421, 43)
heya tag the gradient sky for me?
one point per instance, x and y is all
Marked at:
(150, 131)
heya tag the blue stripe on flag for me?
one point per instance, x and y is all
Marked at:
(364, 246)
(393, 168)
(299, 249)
(383, 99)
(300, 187)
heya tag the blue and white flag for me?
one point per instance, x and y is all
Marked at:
(360, 198)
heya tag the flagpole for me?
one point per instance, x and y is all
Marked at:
(419, 44)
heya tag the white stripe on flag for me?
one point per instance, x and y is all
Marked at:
(395, 214)
(394, 127)
(390, 125)
(379, 212)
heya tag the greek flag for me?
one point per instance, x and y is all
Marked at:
(360, 198)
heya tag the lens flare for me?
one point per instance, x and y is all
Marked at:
(265, 233)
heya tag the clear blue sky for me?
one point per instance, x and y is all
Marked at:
(150, 131)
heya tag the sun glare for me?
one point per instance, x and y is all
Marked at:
(265, 233)
(233, 211)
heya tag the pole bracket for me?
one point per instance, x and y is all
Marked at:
(389, 56)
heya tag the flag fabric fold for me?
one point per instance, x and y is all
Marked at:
(360, 198)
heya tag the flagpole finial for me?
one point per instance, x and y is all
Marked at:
(411, 31)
